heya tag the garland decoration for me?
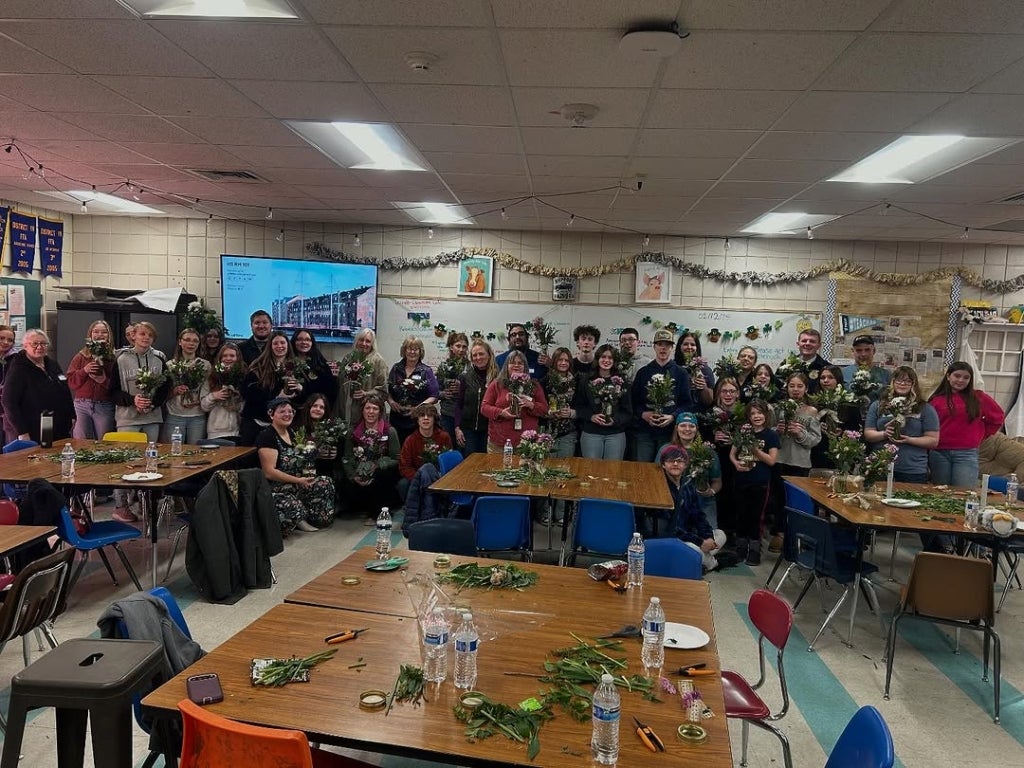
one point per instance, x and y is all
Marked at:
(687, 268)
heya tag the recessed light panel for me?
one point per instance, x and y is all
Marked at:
(101, 201)
(782, 223)
(436, 213)
(914, 159)
(364, 146)
(211, 9)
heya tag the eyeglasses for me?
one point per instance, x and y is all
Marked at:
(37, 344)
(514, 334)
(677, 460)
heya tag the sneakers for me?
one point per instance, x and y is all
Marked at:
(124, 515)
(726, 559)
(754, 553)
(741, 550)
(775, 545)
(306, 526)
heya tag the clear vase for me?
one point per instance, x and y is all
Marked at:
(535, 470)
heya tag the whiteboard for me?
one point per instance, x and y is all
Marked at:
(772, 333)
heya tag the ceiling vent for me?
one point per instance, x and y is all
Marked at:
(214, 175)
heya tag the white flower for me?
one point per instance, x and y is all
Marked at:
(195, 306)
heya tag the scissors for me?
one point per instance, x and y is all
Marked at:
(649, 737)
(630, 630)
(342, 637)
(696, 670)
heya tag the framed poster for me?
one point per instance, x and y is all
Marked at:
(476, 277)
(653, 283)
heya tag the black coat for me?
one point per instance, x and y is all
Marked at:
(29, 390)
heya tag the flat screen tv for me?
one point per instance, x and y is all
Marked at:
(331, 299)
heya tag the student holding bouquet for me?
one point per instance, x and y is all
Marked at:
(604, 409)
(753, 454)
(513, 403)
(91, 375)
(220, 397)
(188, 371)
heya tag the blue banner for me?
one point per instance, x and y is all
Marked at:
(23, 242)
(3, 225)
(51, 247)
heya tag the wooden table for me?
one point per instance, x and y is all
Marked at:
(515, 638)
(15, 537)
(30, 463)
(641, 484)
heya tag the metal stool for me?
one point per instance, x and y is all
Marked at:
(84, 679)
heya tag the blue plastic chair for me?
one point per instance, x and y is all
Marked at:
(453, 537)
(865, 742)
(672, 558)
(102, 534)
(17, 490)
(502, 524)
(602, 528)
(446, 462)
(816, 552)
(1010, 550)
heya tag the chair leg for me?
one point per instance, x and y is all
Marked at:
(128, 565)
(831, 615)
(811, 576)
(1015, 562)
(787, 755)
(745, 738)
(106, 562)
(78, 571)
(890, 651)
(996, 669)
(892, 557)
(174, 551)
(872, 597)
(47, 629)
(775, 569)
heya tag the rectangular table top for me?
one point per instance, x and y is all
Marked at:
(14, 537)
(518, 629)
(638, 483)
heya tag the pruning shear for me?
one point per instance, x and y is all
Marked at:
(630, 630)
(696, 670)
(649, 737)
(342, 637)
(615, 585)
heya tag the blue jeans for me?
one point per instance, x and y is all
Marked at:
(564, 446)
(448, 425)
(958, 467)
(647, 445)
(594, 446)
(93, 419)
(193, 428)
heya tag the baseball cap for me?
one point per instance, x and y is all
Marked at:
(664, 336)
(670, 452)
(686, 418)
(864, 339)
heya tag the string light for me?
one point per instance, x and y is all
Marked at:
(967, 231)
(280, 236)
(85, 208)
(270, 214)
(504, 215)
(572, 220)
(647, 240)
(430, 233)
(810, 234)
(29, 173)
(885, 210)
(42, 171)
(357, 242)
(8, 148)
(728, 245)
(131, 187)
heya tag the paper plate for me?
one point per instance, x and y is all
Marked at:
(386, 565)
(684, 636)
(507, 484)
(141, 477)
(208, 447)
(901, 503)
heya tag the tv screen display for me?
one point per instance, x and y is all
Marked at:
(331, 299)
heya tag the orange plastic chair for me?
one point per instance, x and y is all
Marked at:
(212, 741)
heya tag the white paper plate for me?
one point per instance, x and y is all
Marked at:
(141, 477)
(685, 636)
(902, 503)
(208, 447)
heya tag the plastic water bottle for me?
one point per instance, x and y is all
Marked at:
(176, 441)
(467, 639)
(971, 511)
(435, 647)
(67, 462)
(1011, 490)
(152, 454)
(384, 534)
(506, 455)
(652, 654)
(604, 740)
(635, 556)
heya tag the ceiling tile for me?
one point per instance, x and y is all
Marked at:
(839, 111)
(902, 62)
(281, 157)
(292, 100)
(466, 162)
(954, 16)
(40, 125)
(571, 165)
(64, 93)
(678, 167)
(1010, 80)
(837, 190)
(672, 142)
(806, 171)
(190, 155)
(458, 104)
(680, 187)
(577, 14)
(18, 58)
(782, 14)
(977, 115)
(105, 47)
(172, 96)
(140, 172)
(311, 177)
(238, 131)
(394, 13)
(750, 60)
(573, 58)
(127, 127)
(63, 9)
(488, 187)
(801, 145)
(758, 190)
(718, 109)
(462, 138)
(617, 107)
(578, 141)
(258, 51)
(84, 151)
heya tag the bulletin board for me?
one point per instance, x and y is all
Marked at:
(772, 333)
(910, 324)
(21, 305)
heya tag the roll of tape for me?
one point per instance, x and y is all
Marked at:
(350, 581)
(691, 733)
(372, 700)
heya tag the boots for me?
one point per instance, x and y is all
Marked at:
(754, 552)
(741, 549)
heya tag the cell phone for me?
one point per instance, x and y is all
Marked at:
(204, 689)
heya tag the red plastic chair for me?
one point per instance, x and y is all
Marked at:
(8, 516)
(212, 741)
(773, 618)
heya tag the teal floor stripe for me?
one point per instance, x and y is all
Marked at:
(963, 670)
(823, 701)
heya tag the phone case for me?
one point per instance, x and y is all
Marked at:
(204, 689)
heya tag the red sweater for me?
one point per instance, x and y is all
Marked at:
(83, 386)
(501, 428)
(411, 457)
(956, 432)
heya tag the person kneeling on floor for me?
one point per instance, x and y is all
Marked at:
(689, 523)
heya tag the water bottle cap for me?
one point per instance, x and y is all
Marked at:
(384, 509)
(655, 600)
(467, 617)
(606, 678)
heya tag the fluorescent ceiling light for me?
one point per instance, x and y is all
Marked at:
(102, 201)
(211, 9)
(786, 223)
(436, 213)
(914, 159)
(363, 146)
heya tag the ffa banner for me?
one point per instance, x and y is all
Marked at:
(51, 247)
(852, 323)
(3, 225)
(23, 242)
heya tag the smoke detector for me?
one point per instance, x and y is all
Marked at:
(578, 115)
(657, 41)
(421, 61)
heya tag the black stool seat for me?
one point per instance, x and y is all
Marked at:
(84, 679)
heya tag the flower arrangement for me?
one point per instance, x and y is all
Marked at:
(745, 440)
(607, 392)
(355, 367)
(695, 366)
(792, 364)
(754, 390)
(898, 408)
(561, 389)
(147, 382)
(369, 449)
(449, 370)
(98, 350)
(543, 333)
(725, 419)
(847, 450)
(876, 464)
(186, 373)
(535, 446)
(727, 367)
(327, 433)
(862, 385)
(200, 318)
(519, 385)
(785, 412)
(661, 392)
(430, 453)
(624, 361)
(295, 368)
(412, 389)
(227, 376)
(828, 402)
(702, 456)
